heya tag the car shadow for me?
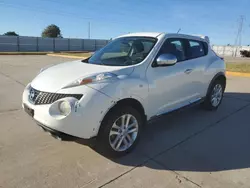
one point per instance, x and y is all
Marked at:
(196, 140)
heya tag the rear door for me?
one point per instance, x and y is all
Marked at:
(197, 59)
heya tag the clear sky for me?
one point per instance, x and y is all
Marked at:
(219, 19)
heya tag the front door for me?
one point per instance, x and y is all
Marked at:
(169, 86)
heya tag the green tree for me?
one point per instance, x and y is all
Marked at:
(52, 31)
(11, 33)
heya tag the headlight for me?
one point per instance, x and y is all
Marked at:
(101, 77)
(64, 108)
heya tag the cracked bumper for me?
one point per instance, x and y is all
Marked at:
(83, 121)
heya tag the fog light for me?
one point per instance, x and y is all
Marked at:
(64, 108)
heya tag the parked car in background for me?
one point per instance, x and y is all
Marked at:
(133, 79)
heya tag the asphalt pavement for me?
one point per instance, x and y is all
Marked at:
(190, 148)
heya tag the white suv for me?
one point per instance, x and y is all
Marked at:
(133, 79)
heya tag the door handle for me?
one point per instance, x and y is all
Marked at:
(188, 71)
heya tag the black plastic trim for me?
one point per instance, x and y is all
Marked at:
(57, 134)
(214, 78)
(42, 97)
(176, 110)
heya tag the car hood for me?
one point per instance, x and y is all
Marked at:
(58, 76)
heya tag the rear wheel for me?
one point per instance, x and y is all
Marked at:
(120, 131)
(214, 95)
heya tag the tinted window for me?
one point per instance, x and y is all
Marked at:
(205, 47)
(148, 45)
(123, 51)
(175, 47)
(196, 49)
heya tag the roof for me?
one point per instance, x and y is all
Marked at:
(194, 37)
(142, 34)
(157, 34)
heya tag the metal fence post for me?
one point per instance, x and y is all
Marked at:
(68, 44)
(54, 45)
(82, 44)
(18, 44)
(37, 47)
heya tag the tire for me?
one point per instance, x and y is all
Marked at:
(106, 136)
(210, 103)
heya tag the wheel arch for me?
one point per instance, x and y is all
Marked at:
(136, 104)
(219, 76)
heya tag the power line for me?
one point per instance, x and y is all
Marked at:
(36, 9)
(39, 9)
(142, 16)
(57, 12)
(119, 11)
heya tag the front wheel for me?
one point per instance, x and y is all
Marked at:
(120, 131)
(214, 95)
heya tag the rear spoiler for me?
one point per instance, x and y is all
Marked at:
(206, 38)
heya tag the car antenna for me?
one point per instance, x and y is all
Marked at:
(179, 30)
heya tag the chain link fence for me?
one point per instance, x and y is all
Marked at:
(233, 51)
(39, 44)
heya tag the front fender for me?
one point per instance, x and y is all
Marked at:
(127, 87)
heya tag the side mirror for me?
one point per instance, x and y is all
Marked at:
(166, 60)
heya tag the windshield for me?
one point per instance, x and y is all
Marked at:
(123, 51)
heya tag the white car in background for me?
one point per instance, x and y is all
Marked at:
(133, 79)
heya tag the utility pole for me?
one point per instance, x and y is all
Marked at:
(237, 43)
(89, 29)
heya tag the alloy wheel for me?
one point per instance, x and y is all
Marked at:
(216, 95)
(123, 132)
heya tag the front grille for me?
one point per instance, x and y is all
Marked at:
(40, 97)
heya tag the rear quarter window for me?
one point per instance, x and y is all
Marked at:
(197, 49)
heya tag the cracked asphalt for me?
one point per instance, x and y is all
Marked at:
(190, 148)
